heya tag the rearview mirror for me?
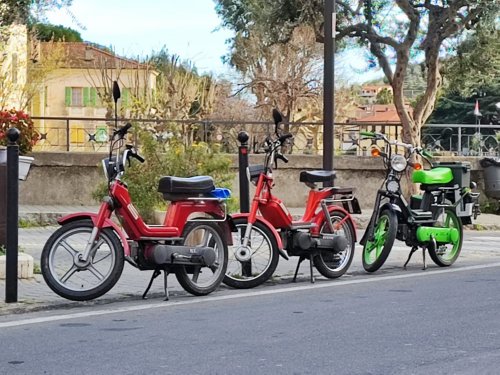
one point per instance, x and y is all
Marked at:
(116, 91)
(277, 116)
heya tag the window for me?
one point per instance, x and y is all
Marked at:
(80, 97)
(14, 68)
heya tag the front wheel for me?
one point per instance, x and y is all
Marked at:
(199, 280)
(67, 275)
(375, 252)
(262, 251)
(329, 263)
(445, 254)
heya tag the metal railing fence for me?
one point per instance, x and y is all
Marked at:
(83, 134)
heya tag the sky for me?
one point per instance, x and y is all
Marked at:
(188, 28)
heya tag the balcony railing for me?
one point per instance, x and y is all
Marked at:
(82, 134)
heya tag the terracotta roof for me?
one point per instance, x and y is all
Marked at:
(377, 113)
(87, 56)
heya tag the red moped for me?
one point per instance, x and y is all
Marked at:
(325, 234)
(84, 258)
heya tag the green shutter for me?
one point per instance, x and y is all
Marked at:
(86, 96)
(93, 96)
(125, 97)
(67, 93)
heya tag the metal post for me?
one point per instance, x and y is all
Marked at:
(459, 141)
(246, 267)
(242, 168)
(329, 84)
(12, 215)
(67, 135)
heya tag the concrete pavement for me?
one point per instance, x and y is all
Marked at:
(34, 294)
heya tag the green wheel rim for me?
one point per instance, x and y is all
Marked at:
(380, 236)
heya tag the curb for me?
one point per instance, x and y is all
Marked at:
(361, 221)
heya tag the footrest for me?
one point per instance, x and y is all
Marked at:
(421, 215)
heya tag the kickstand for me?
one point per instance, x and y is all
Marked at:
(413, 249)
(301, 259)
(423, 255)
(165, 286)
(156, 273)
(311, 267)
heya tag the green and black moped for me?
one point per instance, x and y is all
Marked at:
(432, 221)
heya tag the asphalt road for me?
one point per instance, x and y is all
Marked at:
(441, 321)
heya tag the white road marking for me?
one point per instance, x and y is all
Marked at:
(165, 305)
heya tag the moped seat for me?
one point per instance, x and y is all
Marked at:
(435, 176)
(186, 185)
(317, 176)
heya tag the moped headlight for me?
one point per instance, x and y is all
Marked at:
(398, 163)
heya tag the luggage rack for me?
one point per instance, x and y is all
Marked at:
(346, 197)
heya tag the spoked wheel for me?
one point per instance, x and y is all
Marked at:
(200, 280)
(445, 254)
(253, 265)
(334, 264)
(375, 252)
(67, 275)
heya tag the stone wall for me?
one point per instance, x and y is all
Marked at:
(69, 178)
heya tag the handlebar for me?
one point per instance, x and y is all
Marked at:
(123, 130)
(131, 152)
(284, 137)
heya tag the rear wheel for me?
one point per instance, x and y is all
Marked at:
(199, 280)
(67, 275)
(445, 254)
(263, 256)
(375, 252)
(334, 264)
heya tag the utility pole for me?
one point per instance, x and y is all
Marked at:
(329, 84)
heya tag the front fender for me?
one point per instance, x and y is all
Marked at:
(369, 229)
(267, 224)
(108, 223)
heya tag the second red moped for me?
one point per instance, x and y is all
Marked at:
(325, 234)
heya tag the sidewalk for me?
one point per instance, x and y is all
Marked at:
(34, 294)
(47, 215)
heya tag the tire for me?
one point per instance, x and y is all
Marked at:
(198, 280)
(84, 282)
(375, 253)
(264, 259)
(446, 254)
(328, 263)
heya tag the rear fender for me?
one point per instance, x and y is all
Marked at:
(108, 223)
(321, 217)
(267, 224)
(227, 227)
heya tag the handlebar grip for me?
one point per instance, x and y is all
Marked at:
(282, 157)
(124, 129)
(368, 134)
(139, 157)
(427, 154)
(284, 137)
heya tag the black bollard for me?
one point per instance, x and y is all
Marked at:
(246, 267)
(12, 215)
(242, 168)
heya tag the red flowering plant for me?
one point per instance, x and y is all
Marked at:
(22, 121)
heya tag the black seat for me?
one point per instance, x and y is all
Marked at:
(186, 185)
(317, 176)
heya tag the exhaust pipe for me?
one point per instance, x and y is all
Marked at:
(174, 254)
